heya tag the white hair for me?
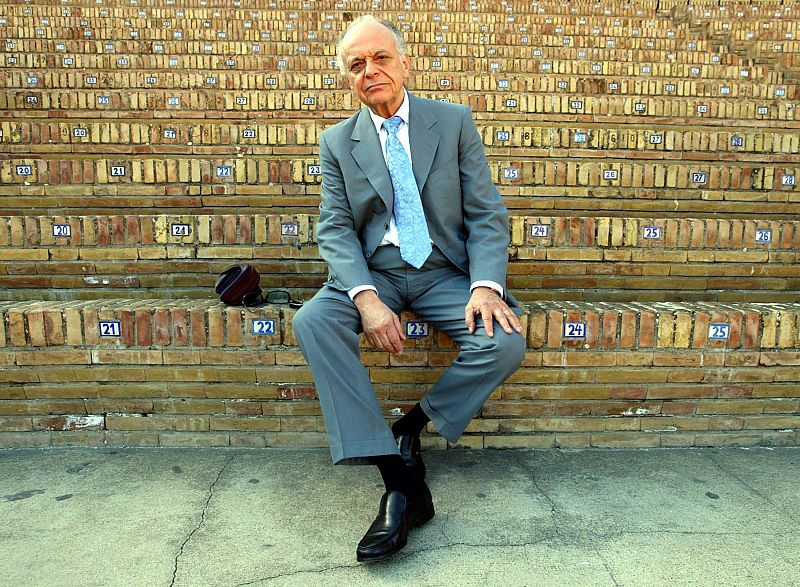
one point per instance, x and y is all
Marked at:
(399, 41)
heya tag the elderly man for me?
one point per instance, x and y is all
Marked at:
(409, 219)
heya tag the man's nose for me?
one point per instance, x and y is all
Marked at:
(370, 68)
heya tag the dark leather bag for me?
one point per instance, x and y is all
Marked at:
(238, 286)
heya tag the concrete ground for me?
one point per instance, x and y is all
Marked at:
(230, 518)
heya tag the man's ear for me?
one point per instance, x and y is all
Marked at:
(346, 82)
(406, 66)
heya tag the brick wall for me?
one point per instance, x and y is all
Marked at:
(648, 156)
(579, 258)
(194, 373)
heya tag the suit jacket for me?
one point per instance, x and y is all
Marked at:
(466, 217)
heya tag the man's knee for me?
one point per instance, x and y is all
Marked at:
(325, 312)
(502, 352)
(510, 350)
(303, 320)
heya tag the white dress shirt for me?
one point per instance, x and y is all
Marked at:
(391, 237)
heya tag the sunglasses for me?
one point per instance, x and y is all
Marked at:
(277, 296)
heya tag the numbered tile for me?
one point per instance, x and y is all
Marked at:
(314, 170)
(224, 170)
(511, 173)
(652, 232)
(290, 229)
(719, 331)
(62, 230)
(540, 230)
(118, 171)
(699, 177)
(574, 329)
(110, 328)
(788, 180)
(503, 135)
(24, 170)
(263, 327)
(610, 174)
(763, 235)
(181, 229)
(416, 329)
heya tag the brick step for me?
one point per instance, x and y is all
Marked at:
(42, 179)
(190, 372)
(615, 202)
(211, 103)
(104, 72)
(508, 50)
(537, 140)
(584, 258)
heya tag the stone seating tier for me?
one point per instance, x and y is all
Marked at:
(193, 373)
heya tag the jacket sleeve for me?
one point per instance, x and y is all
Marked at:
(339, 245)
(485, 215)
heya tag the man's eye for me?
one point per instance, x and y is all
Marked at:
(356, 66)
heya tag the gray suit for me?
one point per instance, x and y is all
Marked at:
(468, 225)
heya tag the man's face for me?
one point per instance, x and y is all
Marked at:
(374, 67)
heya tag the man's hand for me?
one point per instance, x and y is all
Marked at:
(486, 303)
(380, 324)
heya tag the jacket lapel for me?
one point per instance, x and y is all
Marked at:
(369, 157)
(423, 138)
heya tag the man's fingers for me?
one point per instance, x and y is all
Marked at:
(469, 318)
(508, 320)
(504, 316)
(395, 337)
(488, 322)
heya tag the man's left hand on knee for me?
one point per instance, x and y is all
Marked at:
(487, 303)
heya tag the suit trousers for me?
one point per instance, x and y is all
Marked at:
(327, 329)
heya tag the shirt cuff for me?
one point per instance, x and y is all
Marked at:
(486, 283)
(358, 289)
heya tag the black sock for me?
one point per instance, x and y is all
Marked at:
(396, 476)
(412, 423)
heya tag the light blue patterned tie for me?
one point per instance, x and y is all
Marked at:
(415, 242)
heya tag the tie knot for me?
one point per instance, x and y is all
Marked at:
(392, 124)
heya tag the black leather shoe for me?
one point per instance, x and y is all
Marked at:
(396, 516)
(410, 453)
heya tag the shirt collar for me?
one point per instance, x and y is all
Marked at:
(402, 112)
